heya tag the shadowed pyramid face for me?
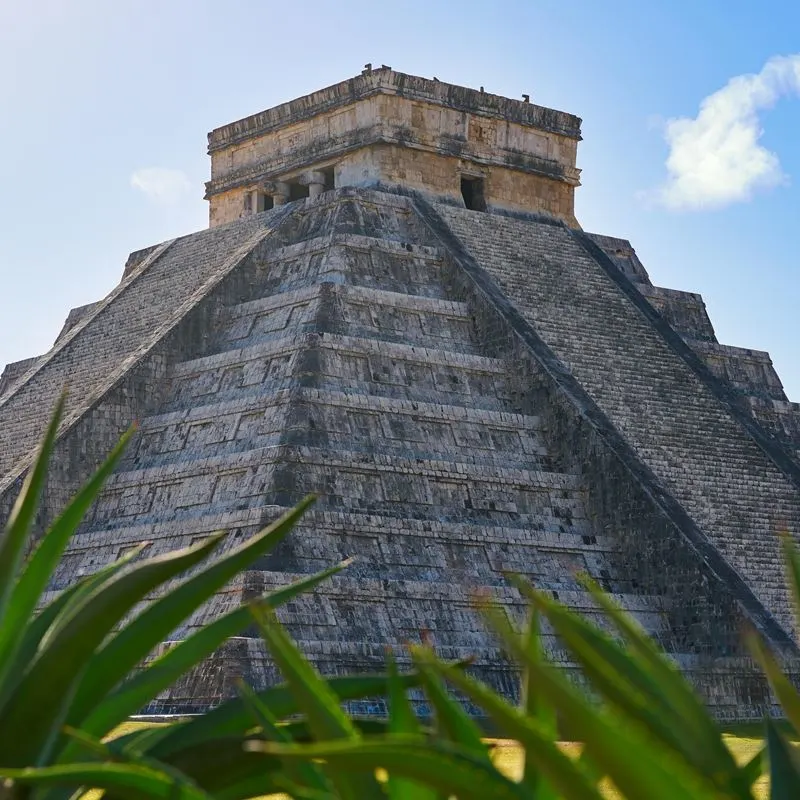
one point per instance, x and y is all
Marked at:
(469, 394)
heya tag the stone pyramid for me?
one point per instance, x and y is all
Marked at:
(471, 383)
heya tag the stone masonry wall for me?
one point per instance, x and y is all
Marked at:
(681, 431)
(342, 346)
(389, 129)
(349, 355)
(113, 362)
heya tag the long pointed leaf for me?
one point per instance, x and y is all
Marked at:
(784, 690)
(641, 683)
(792, 559)
(39, 569)
(132, 644)
(47, 619)
(233, 717)
(441, 765)
(313, 695)
(128, 781)
(631, 760)
(534, 735)
(303, 773)
(784, 771)
(31, 720)
(402, 720)
(617, 676)
(455, 724)
(162, 672)
(652, 660)
(536, 708)
(18, 529)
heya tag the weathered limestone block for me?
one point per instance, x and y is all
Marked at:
(387, 129)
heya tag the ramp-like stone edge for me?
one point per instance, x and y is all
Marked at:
(719, 388)
(580, 399)
(12, 480)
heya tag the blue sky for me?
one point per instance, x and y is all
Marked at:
(95, 95)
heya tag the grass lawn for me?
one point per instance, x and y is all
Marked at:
(744, 743)
(508, 758)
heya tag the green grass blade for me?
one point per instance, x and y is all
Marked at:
(784, 690)
(534, 735)
(315, 699)
(47, 619)
(163, 671)
(232, 718)
(42, 563)
(31, 719)
(638, 767)
(132, 644)
(441, 765)
(784, 771)
(129, 781)
(18, 529)
(454, 722)
(402, 720)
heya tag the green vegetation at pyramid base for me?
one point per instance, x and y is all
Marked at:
(67, 689)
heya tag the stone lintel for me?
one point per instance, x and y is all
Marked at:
(271, 167)
(387, 81)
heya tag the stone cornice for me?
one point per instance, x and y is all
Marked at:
(272, 168)
(386, 81)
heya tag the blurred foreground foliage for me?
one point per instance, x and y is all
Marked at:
(75, 666)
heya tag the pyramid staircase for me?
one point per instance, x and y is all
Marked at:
(356, 364)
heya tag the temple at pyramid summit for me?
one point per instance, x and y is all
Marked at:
(394, 306)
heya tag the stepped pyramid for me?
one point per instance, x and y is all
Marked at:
(395, 307)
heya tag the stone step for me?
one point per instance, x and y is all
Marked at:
(433, 411)
(353, 310)
(732, 484)
(368, 261)
(346, 364)
(398, 610)
(251, 461)
(339, 421)
(356, 482)
(325, 533)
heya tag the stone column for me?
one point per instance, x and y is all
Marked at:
(315, 180)
(280, 193)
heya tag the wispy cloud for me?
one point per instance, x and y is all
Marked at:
(165, 187)
(715, 159)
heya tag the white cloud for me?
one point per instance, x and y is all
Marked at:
(715, 159)
(165, 187)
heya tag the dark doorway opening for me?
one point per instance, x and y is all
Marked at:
(297, 191)
(265, 202)
(329, 180)
(472, 192)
